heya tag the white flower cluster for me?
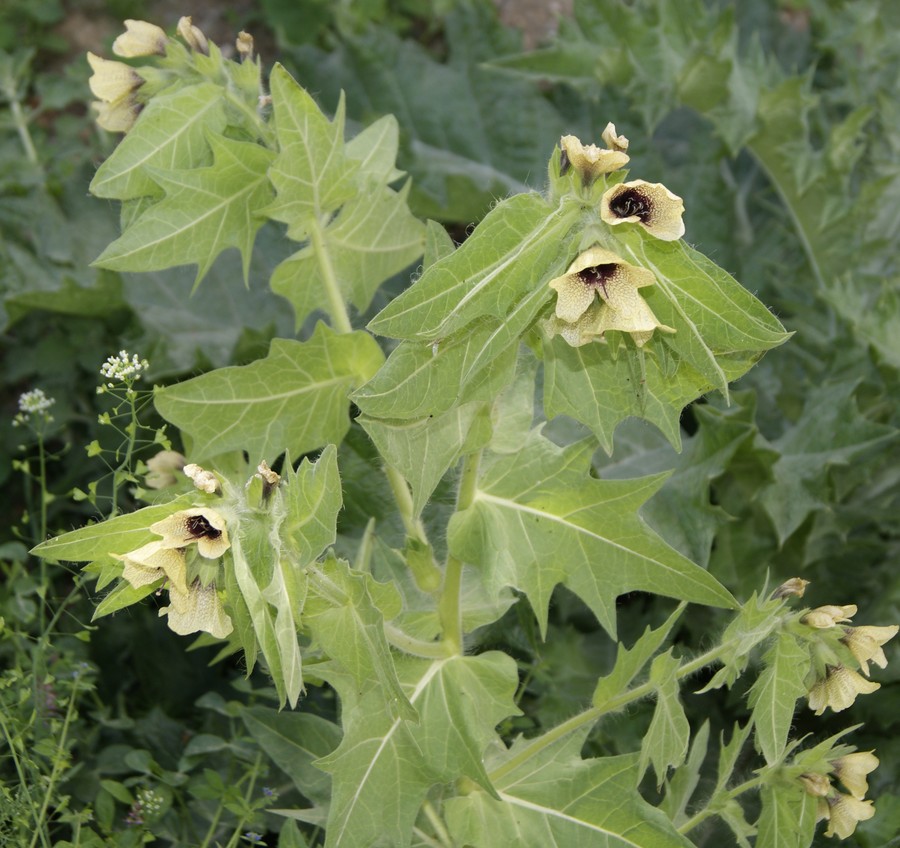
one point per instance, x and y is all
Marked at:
(31, 403)
(151, 802)
(123, 368)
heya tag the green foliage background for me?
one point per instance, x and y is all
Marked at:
(778, 123)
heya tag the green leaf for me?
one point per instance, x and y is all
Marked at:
(683, 783)
(174, 134)
(666, 741)
(455, 116)
(384, 767)
(830, 431)
(539, 519)
(630, 661)
(294, 740)
(204, 211)
(516, 249)
(555, 798)
(117, 535)
(788, 818)
(373, 237)
(375, 148)
(345, 619)
(123, 595)
(295, 399)
(313, 500)
(775, 693)
(423, 449)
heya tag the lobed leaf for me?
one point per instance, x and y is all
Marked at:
(294, 400)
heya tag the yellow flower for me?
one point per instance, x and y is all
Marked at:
(829, 615)
(197, 608)
(140, 39)
(162, 468)
(651, 205)
(843, 812)
(613, 141)
(590, 161)
(851, 770)
(839, 689)
(153, 561)
(599, 273)
(115, 84)
(196, 40)
(204, 526)
(865, 644)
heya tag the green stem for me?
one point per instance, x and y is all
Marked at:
(449, 608)
(440, 829)
(594, 713)
(58, 760)
(21, 123)
(42, 526)
(247, 796)
(416, 647)
(23, 781)
(412, 525)
(717, 802)
(337, 308)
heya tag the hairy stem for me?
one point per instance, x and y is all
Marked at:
(449, 607)
(416, 647)
(717, 802)
(336, 306)
(592, 714)
(403, 499)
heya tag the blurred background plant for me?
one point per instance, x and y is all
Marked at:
(779, 124)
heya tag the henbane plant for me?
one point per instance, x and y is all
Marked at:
(585, 296)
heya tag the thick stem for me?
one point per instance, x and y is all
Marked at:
(403, 498)
(717, 802)
(416, 647)
(336, 306)
(449, 608)
(594, 713)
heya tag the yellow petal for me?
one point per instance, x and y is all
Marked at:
(112, 80)
(140, 39)
(612, 140)
(865, 644)
(196, 40)
(589, 160)
(204, 526)
(851, 770)
(845, 813)
(198, 609)
(118, 116)
(651, 205)
(839, 689)
(153, 561)
(829, 615)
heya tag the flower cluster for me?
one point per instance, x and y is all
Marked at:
(123, 90)
(33, 403)
(193, 606)
(123, 368)
(599, 290)
(843, 811)
(840, 685)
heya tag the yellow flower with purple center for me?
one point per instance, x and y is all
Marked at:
(202, 525)
(838, 689)
(651, 205)
(599, 292)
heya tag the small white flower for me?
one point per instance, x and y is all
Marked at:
(34, 402)
(124, 368)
